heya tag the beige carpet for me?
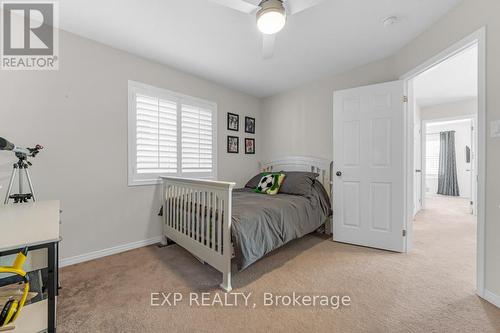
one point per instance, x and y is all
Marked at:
(429, 290)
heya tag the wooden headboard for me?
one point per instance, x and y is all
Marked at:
(302, 163)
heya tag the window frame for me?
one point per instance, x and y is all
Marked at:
(428, 174)
(136, 179)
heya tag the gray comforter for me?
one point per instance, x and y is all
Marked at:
(262, 223)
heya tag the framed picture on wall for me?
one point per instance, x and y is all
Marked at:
(250, 125)
(233, 122)
(233, 144)
(249, 146)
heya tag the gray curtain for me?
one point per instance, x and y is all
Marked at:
(447, 176)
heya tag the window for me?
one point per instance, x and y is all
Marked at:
(432, 155)
(169, 134)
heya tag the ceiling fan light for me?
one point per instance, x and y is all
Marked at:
(272, 17)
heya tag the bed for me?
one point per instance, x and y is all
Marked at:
(217, 223)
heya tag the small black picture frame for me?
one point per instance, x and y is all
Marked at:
(233, 122)
(233, 144)
(250, 125)
(249, 146)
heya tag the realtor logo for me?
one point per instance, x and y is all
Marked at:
(29, 37)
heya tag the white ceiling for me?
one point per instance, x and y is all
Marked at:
(452, 80)
(223, 45)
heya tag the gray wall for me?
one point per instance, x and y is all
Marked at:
(450, 110)
(80, 114)
(300, 121)
(312, 104)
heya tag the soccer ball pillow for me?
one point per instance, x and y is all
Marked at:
(278, 180)
(266, 183)
(270, 183)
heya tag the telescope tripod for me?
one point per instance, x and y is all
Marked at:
(21, 165)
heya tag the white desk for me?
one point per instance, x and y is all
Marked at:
(36, 225)
(30, 223)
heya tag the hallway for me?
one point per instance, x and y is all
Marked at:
(446, 230)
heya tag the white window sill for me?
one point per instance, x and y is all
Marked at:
(158, 181)
(142, 182)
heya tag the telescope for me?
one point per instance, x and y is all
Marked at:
(19, 151)
(21, 165)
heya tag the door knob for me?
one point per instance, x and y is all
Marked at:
(339, 173)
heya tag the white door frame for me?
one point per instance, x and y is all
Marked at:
(479, 38)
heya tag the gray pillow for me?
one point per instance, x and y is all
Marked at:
(252, 183)
(298, 182)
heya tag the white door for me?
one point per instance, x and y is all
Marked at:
(368, 186)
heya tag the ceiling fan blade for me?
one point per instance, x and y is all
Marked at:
(239, 5)
(268, 42)
(297, 6)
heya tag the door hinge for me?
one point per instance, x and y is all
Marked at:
(405, 99)
(404, 233)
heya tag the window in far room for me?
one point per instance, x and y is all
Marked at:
(170, 134)
(432, 155)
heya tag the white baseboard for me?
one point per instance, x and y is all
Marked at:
(106, 252)
(492, 298)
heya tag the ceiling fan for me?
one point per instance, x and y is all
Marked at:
(271, 16)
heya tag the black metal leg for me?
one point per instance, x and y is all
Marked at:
(57, 269)
(52, 286)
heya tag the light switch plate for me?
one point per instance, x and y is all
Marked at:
(495, 129)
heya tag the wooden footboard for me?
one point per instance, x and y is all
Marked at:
(197, 216)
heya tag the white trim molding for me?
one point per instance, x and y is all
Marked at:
(107, 252)
(492, 298)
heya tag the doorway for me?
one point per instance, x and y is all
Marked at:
(464, 167)
(377, 148)
(446, 132)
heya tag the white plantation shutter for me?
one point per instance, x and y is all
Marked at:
(197, 140)
(432, 154)
(169, 134)
(156, 137)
